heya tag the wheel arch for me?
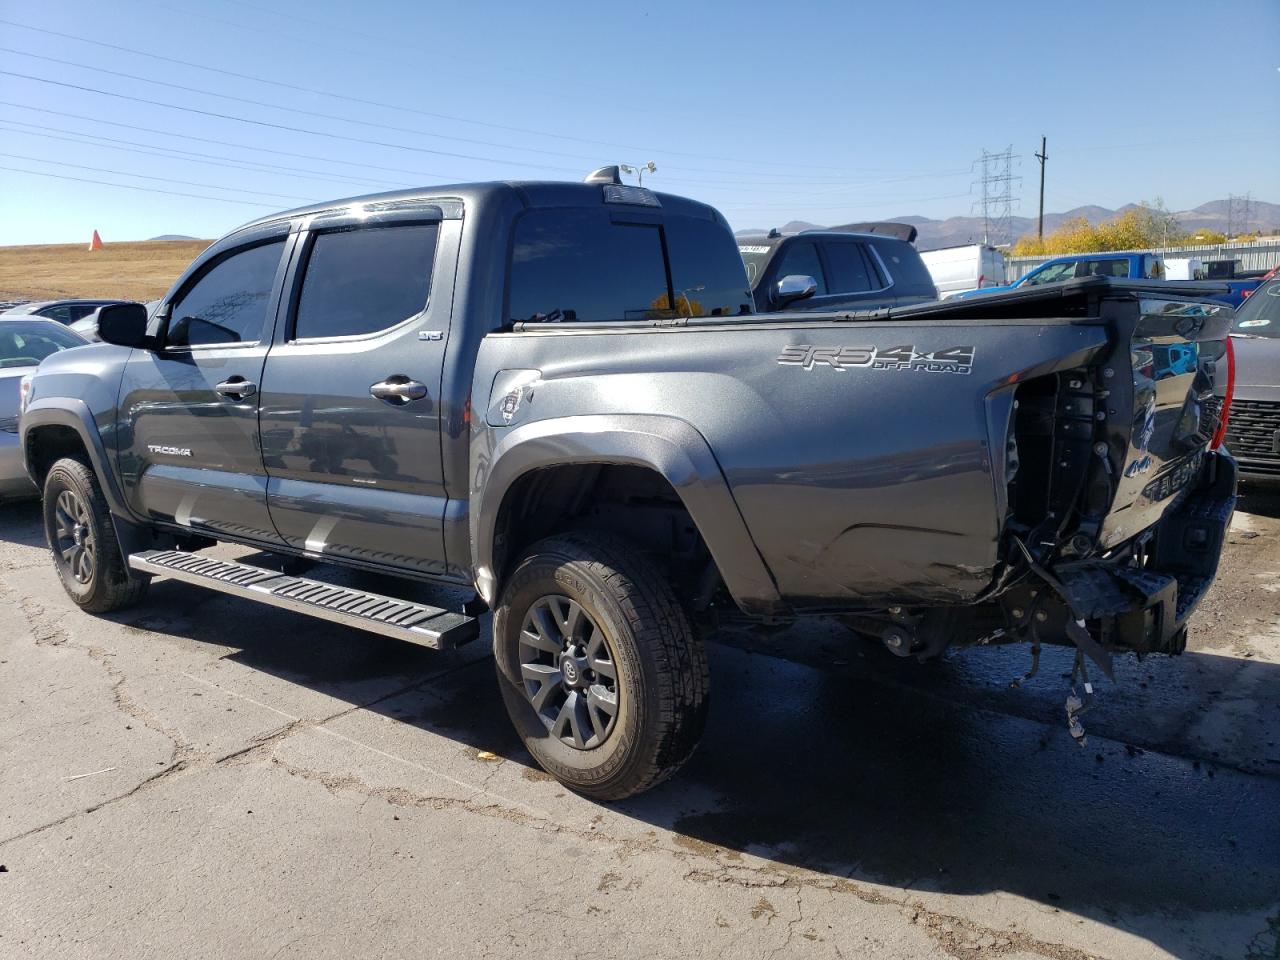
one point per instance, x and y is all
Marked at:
(668, 448)
(53, 429)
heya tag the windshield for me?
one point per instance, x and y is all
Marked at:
(26, 344)
(1259, 316)
(754, 257)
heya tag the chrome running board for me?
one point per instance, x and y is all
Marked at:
(415, 622)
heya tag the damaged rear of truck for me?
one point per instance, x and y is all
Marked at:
(1039, 467)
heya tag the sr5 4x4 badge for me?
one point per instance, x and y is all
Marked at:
(950, 360)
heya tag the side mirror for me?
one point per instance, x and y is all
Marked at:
(794, 286)
(124, 324)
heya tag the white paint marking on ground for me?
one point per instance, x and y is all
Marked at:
(81, 776)
(479, 790)
(241, 696)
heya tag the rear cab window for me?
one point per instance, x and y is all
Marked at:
(589, 265)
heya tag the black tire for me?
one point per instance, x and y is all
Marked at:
(662, 680)
(104, 583)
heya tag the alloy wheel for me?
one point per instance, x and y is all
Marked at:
(73, 531)
(569, 671)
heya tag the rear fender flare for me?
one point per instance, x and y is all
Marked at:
(670, 447)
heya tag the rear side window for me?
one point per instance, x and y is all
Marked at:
(578, 265)
(229, 303)
(801, 259)
(1105, 268)
(850, 272)
(909, 272)
(358, 282)
(707, 274)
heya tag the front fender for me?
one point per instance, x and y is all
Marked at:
(670, 447)
(75, 414)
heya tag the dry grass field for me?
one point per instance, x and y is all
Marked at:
(135, 271)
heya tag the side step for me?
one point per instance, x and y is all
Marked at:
(427, 626)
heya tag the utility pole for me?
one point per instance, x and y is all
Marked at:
(1042, 156)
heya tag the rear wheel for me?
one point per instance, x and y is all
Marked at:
(599, 668)
(82, 538)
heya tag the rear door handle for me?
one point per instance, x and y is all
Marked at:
(398, 390)
(237, 387)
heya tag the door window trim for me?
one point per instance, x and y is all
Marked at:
(165, 314)
(307, 242)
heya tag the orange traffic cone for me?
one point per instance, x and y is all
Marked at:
(96, 242)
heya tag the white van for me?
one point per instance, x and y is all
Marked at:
(957, 269)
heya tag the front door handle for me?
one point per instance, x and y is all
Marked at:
(398, 390)
(237, 387)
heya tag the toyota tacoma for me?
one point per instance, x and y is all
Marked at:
(559, 395)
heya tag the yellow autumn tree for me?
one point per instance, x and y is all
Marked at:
(1147, 225)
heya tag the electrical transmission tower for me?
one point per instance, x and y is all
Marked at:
(997, 196)
(1238, 213)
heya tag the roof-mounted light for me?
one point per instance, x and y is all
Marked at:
(624, 193)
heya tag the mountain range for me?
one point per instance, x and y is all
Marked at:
(1264, 218)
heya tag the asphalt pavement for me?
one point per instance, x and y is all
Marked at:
(205, 777)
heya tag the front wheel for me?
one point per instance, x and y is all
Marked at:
(599, 668)
(82, 538)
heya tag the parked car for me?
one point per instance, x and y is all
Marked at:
(1253, 432)
(558, 394)
(1133, 266)
(834, 269)
(960, 269)
(23, 344)
(64, 311)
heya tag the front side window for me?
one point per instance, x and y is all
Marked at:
(801, 259)
(579, 265)
(229, 303)
(361, 281)
(850, 272)
(1052, 274)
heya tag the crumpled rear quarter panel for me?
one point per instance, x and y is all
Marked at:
(858, 482)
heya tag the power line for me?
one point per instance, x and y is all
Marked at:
(267, 123)
(129, 186)
(144, 176)
(391, 106)
(189, 156)
(226, 143)
(296, 110)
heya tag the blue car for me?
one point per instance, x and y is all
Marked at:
(1133, 266)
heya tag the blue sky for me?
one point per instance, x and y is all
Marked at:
(827, 112)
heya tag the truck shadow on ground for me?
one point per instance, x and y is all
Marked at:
(872, 769)
(836, 759)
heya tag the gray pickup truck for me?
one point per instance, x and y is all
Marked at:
(559, 395)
